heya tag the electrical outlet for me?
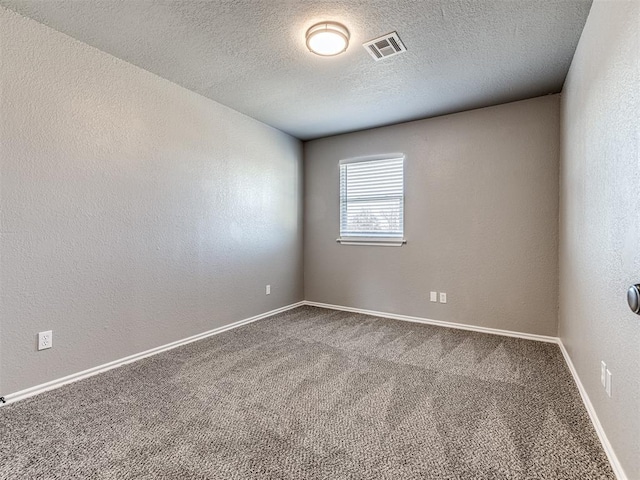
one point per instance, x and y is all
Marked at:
(45, 340)
(603, 374)
(434, 296)
(443, 297)
(268, 290)
(608, 383)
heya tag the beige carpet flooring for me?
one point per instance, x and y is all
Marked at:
(315, 394)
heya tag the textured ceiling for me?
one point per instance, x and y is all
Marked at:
(250, 54)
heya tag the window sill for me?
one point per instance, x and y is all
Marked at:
(374, 242)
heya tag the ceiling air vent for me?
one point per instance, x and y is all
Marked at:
(385, 46)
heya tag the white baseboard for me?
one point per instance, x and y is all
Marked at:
(53, 384)
(439, 323)
(611, 455)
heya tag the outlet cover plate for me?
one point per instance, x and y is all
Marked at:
(45, 340)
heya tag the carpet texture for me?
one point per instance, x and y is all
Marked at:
(315, 394)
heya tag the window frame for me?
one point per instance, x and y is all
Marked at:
(382, 241)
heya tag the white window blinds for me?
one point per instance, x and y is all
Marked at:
(372, 199)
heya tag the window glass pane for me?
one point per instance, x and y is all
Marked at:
(372, 198)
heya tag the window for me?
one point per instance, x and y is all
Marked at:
(372, 201)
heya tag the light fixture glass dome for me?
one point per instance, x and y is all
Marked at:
(327, 38)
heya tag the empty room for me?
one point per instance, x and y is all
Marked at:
(290, 239)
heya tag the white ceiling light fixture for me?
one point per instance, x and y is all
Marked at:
(327, 39)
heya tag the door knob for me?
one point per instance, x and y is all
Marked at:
(633, 298)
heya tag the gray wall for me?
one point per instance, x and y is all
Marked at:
(600, 219)
(134, 212)
(481, 220)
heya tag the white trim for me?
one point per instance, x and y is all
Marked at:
(372, 158)
(374, 242)
(440, 323)
(393, 235)
(611, 455)
(74, 377)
